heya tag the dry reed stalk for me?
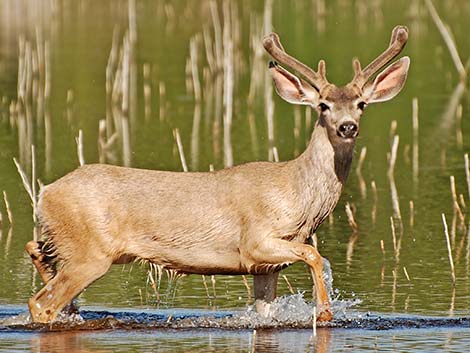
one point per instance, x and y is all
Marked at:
(253, 342)
(467, 173)
(415, 109)
(126, 142)
(8, 243)
(458, 126)
(412, 213)
(275, 154)
(79, 141)
(314, 324)
(449, 250)
(209, 50)
(247, 286)
(291, 289)
(350, 215)
(162, 100)
(47, 71)
(195, 137)
(193, 60)
(394, 287)
(7, 206)
(467, 255)
(393, 154)
(30, 189)
(394, 237)
(393, 130)
(147, 88)
(393, 188)
(204, 282)
(382, 247)
(374, 207)
(463, 204)
(213, 285)
(448, 39)
(455, 201)
(406, 274)
(132, 22)
(33, 180)
(218, 46)
(350, 248)
(228, 69)
(362, 183)
(177, 137)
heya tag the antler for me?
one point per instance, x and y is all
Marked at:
(273, 46)
(397, 43)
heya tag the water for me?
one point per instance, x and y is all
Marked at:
(406, 282)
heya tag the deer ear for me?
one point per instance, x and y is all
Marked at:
(291, 88)
(388, 83)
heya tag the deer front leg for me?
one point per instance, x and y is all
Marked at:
(278, 251)
(265, 291)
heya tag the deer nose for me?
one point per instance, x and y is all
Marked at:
(348, 129)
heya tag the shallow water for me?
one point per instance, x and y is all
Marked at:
(236, 331)
(408, 281)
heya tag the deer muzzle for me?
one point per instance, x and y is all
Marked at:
(348, 129)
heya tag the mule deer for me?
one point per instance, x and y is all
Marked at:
(254, 218)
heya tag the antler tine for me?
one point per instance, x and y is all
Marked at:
(273, 46)
(397, 43)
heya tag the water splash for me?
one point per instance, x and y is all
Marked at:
(328, 277)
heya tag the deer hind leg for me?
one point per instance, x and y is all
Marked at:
(43, 262)
(71, 279)
(265, 291)
(278, 251)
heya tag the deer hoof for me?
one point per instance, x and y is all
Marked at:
(325, 316)
(39, 314)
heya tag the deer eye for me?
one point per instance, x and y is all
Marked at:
(323, 107)
(361, 105)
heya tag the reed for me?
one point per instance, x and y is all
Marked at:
(350, 215)
(391, 177)
(449, 249)
(394, 237)
(79, 141)
(382, 247)
(406, 274)
(455, 201)
(177, 137)
(193, 61)
(147, 89)
(314, 324)
(448, 39)
(30, 187)
(374, 206)
(415, 118)
(228, 70)
(362, 183)
(213, 281)
(8, 209)
(412, 213)
(458, 126)
(248, 288)
(467, 173)
(291, 289)
(204, 283)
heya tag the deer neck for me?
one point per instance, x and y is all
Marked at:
(322, 170)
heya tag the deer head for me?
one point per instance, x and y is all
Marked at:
(339, 108)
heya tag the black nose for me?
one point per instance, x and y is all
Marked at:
(348, 129)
